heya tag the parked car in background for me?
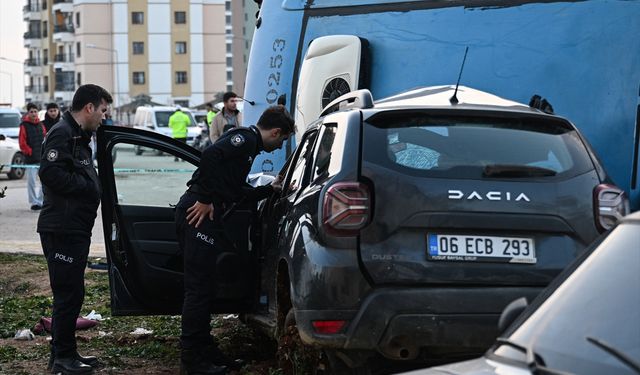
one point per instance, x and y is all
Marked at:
(157, 119)
(10, 119)
(404, 228)
(586, 322)
(10, 155)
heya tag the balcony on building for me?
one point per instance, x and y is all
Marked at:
(33, 39)
(64, 84)
(64, 6)
(31, 11)
(63, 33)
(64, 61)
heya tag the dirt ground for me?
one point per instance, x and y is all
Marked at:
(25, 297)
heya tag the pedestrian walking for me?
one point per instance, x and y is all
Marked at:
(228, 118)
(30, 137)
(219, 182)
(71, 197)
(52, 116)
(179, 123)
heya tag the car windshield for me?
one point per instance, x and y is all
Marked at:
(162, 118)
(9, 120)
(480, 147)
(600, 302)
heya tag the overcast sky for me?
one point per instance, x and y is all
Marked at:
(12, 28)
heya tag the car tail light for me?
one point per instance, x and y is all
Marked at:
(347, 208)
(610, 204)
(328, 326)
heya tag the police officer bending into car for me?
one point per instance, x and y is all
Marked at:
(71, 198)
(215, 186)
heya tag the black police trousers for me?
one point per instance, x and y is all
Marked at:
(200, 247)
(66, 259)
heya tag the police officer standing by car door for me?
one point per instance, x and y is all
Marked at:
(71, 198)
(215, 186)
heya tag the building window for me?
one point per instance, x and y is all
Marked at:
(137, 18)
(78, 49)
(229, 61)
(180, 17)
(227, 5)
(138, 48)
(227, 20)
(45, 56)
(44, 4)
(45, 29)
(138, 78)
(181, 77)
(228, 47)
(79, 79)
(181, 48)
(46, 84)
(229, 76)
(77, 19)
(229, 87)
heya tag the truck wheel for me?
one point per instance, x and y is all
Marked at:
(17, 173)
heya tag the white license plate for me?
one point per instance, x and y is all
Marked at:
(480, 248)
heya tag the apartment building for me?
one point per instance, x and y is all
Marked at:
(240, 21)
(171, 50)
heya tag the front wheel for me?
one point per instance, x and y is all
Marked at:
(17, 173)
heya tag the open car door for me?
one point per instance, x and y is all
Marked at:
(139, 193)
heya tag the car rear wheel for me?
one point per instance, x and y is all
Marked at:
(295, 357)
(17, 173)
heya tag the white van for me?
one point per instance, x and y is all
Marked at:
(10, 119)
(157, 119)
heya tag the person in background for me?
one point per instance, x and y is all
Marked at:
(179, 123)
(52, 116)
(71, 198)
(31, 135)
(228, 118)
(210, 114)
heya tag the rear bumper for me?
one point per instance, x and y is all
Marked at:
(400, 322)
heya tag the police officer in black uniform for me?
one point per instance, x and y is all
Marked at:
(219, 182)
(71, 197)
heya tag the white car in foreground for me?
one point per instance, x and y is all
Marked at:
(10, 155)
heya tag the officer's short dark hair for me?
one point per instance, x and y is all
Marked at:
(228, 95)
(89, 93)
(277, 116)
(52, 105)
(31, 106)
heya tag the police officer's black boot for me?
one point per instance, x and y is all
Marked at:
(215, 355)
(193, 362)
(88, 360)
(70, 366)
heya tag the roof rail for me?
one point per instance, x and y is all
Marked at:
(361, 99)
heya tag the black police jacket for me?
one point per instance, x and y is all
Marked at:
(221, 178)
(69, 180)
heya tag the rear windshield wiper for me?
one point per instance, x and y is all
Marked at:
(505, 170)
(616, 353)
(534, 361)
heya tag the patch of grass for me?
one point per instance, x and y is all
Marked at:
(10, 353)
(22, 312)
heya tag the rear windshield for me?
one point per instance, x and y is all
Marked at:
(162, 118)
(472, 147)
(9, 120)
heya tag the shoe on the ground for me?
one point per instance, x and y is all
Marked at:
(88, 360)
(70, 366)
(36, 207)
(215, 355)
(194, 362)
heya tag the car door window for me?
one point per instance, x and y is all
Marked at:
(297, 178)
(148, 177)
(322, 161)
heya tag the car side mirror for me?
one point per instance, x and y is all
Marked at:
(511, 312)
(2, 137)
